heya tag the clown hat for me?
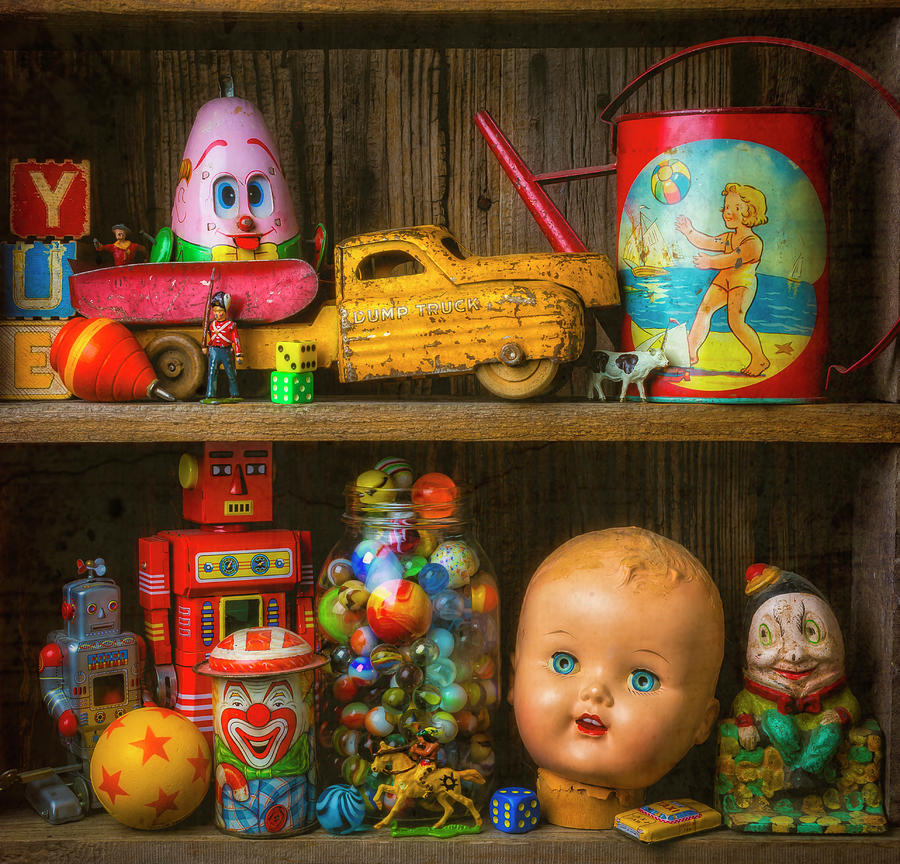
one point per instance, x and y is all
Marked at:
(260, 651)
(765, 581)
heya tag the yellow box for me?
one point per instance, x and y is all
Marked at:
(666, 819)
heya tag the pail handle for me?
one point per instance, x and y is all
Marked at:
(893, 104)
(650, 71)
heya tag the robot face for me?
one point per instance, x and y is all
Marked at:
(259, 720)
(232, 191)
(231, 483)
(91, 608)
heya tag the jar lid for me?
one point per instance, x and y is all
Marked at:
(259, 651)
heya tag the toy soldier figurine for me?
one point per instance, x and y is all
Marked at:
(123, 250)
(221, 344)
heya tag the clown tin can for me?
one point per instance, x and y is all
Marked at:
(722, 251)
(263, 718)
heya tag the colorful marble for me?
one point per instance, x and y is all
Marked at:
(399, 470)
(399, 610)
(459, 560)
(385, 658)
(434, 495)
(341, 809)
(378, 721)
(363, 641)
(375, 487)
(336, 621)
(433, 578)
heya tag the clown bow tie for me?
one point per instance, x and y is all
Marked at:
(263, 252)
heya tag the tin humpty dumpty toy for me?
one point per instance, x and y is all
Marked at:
(262, 687)
(620, 641)
(795, 756)
(232, 201)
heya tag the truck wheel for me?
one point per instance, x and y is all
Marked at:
(532, 378)
(179, 363)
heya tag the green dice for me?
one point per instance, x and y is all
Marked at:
(291, 388)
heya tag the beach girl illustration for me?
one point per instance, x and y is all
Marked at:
(735, 255)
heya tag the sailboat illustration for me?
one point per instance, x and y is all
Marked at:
(796, 275)
(646, 252)
(674, 344)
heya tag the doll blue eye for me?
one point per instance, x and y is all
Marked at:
(563, 663)
(225, 196)
(259, 193)
(643, 681)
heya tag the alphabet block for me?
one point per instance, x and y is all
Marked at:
(49, 199)
(25, 371)
(36, 279)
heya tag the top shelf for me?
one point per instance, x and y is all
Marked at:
(140, 11)
(237, 8)
(334, 419)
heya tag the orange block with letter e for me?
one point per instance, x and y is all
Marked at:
(25, 371)
(49, 199)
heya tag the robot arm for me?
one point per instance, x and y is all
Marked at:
(58, 704)
(154, 592)
(305, 626)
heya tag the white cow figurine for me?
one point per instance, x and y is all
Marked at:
(629, 367)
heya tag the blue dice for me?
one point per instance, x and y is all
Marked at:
(515, 810)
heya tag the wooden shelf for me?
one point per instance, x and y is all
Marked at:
(433, 420)
(237, 8)
(28, 838)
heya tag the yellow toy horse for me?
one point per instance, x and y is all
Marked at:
(409, 779)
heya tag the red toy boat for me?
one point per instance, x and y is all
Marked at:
(177, 293)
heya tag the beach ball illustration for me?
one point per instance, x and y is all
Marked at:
(670, 181)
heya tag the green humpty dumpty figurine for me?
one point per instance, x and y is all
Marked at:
(795, 756)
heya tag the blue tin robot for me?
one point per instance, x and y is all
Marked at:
(90, 674)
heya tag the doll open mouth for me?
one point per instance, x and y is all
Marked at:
(590, 725)
(793, 675)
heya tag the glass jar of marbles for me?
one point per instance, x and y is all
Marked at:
(408, 613)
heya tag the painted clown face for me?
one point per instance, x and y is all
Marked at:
(795, 644)
(232, 194)
(259, 719)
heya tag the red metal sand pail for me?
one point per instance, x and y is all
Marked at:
(723, 251)
(722, 243)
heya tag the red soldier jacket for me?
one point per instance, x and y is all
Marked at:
(122, 256)
(222, 334)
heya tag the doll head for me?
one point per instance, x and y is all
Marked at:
(231, 190)
(794, 642)
(619, 646)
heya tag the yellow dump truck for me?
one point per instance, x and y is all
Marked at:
(413, 302)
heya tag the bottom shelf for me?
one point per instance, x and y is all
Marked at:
(99, 839)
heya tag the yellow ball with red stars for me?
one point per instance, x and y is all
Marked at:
(151, 768)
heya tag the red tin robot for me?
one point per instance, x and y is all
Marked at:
(199, 585)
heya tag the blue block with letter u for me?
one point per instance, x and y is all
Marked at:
(36, 279)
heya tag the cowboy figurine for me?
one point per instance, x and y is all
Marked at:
(424, 750)
(223, 348)
(123, 250)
